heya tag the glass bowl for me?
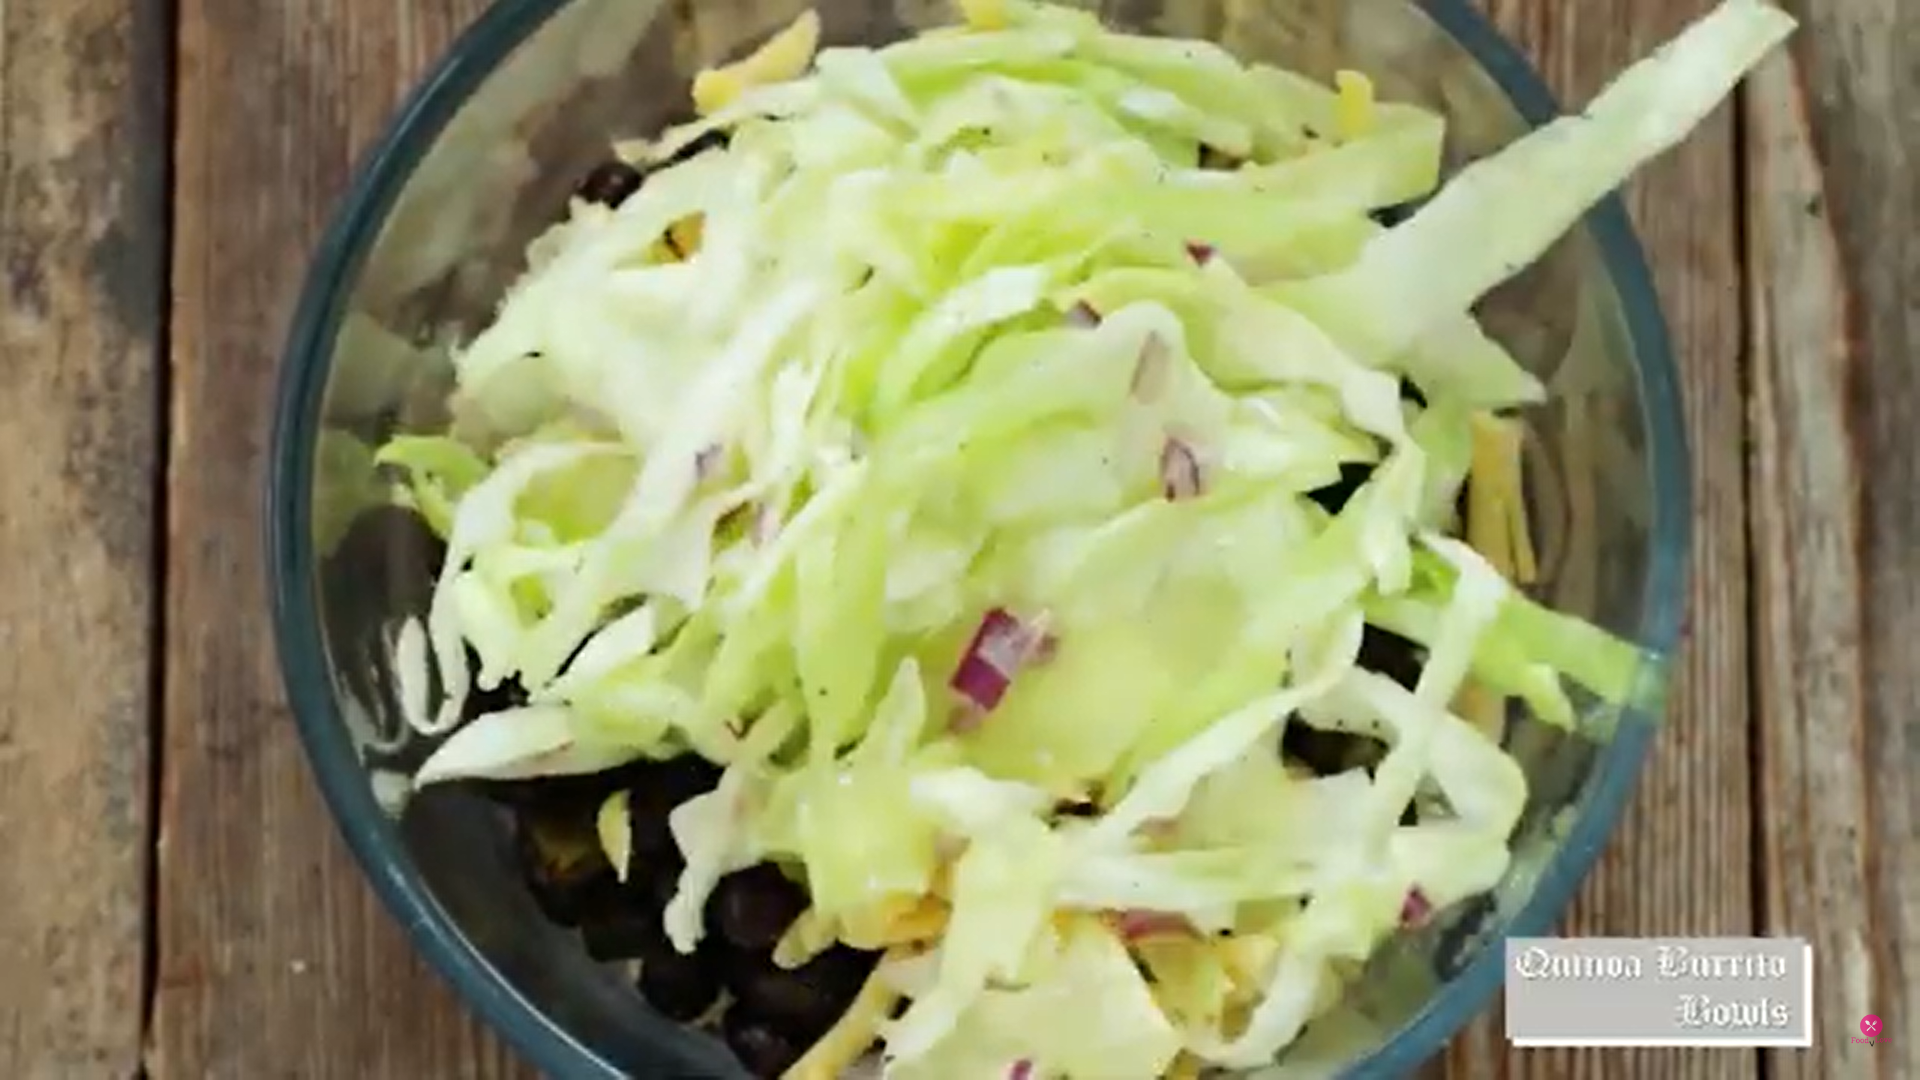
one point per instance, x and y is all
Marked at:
(484, 156)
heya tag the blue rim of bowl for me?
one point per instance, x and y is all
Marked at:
(372, 835)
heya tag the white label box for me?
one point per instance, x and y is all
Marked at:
(1728, 992)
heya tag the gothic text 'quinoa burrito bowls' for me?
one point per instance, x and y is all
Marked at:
(1014, 541)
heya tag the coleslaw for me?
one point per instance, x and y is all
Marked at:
(953, 442)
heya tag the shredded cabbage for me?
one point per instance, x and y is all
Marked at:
(1103, 1021)
(952, 444)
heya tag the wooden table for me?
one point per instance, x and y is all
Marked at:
(173, 899)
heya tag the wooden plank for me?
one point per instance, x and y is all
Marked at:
(275, 960)
(82, 240)
(1681, 861)
(1833, 208)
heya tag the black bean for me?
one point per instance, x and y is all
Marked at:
(622, 929)
(658, 880)
(625, 777)
(1389, 654)
(805, 1002)
(686, 776)
(1335, 495)
(654, 793)
(739, 965)
(564, 868)
(764, 1051)
(678, 986)
(610, 183)
(652, 835)
(1329, 753)
(755, 906)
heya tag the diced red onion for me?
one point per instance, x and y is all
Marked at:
(1152, 370)
(1001, 646)
(1201, 253)
(707, 462)
(759, 521)
(1084, 315)
(1022, 1070)
(1179, 471)
(1416, 909)
(766, 525)
(1135, 925)
(1007, 644)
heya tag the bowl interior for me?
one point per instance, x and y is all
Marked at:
(484, 158)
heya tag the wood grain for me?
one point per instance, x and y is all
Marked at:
(1681, 861)
(1832, 194)
(82, 235)
(274, 959)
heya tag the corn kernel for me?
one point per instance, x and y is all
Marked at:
(715, 89)
(1354, 112)
(985, 14)
(783, 57)
(685, 235)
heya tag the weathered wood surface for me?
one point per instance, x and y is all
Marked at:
(82, 242)
(1782, 799)
(274, 959)
(1833, 226)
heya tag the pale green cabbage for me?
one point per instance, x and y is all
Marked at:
(971, 335)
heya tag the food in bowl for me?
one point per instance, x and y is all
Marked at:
(1005, 550)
